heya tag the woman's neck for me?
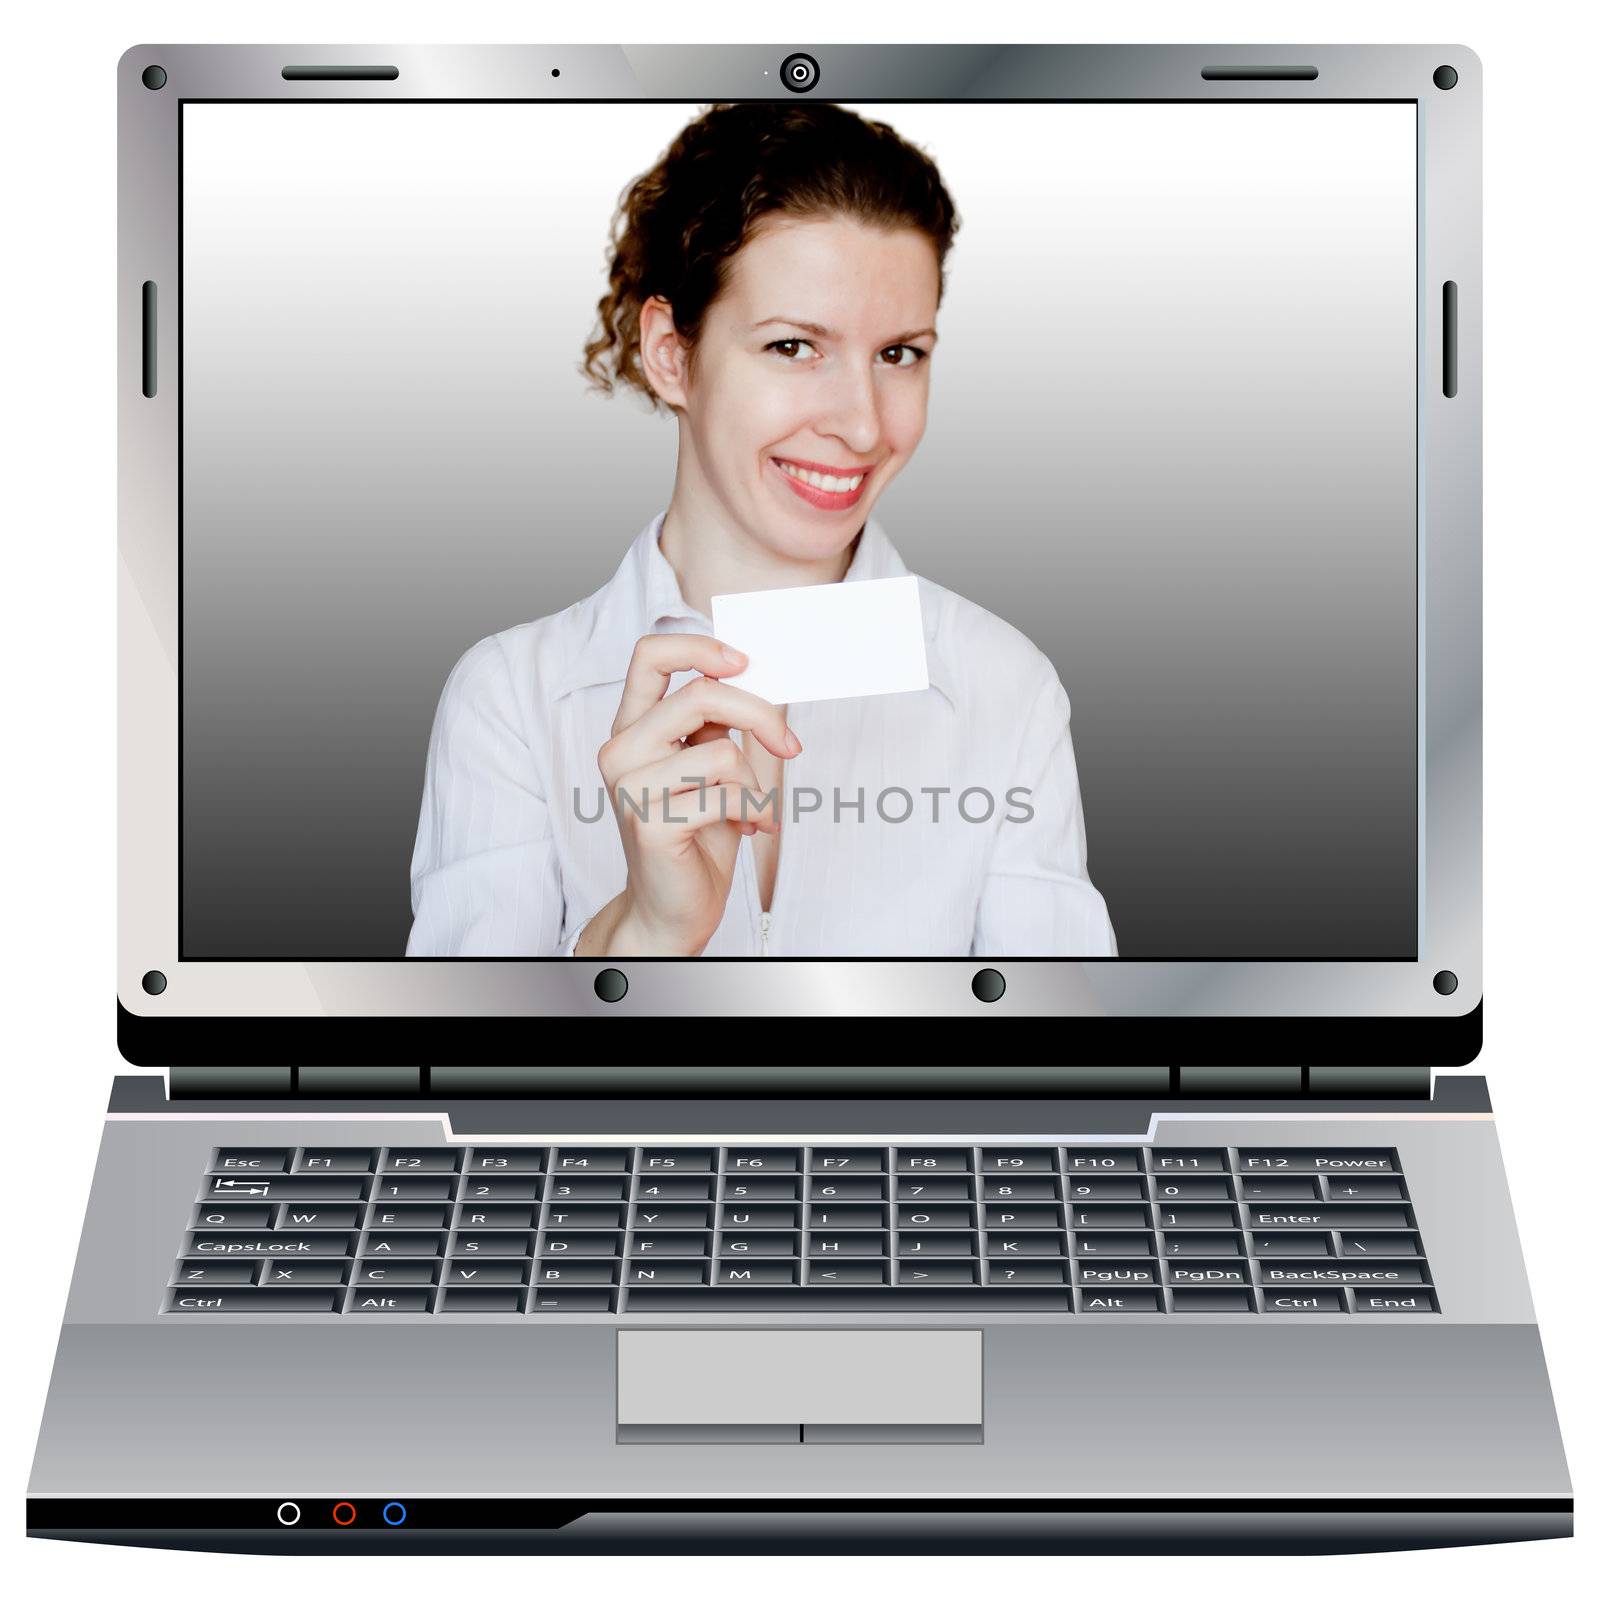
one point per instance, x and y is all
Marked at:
(711, 556)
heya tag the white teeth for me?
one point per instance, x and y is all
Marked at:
(824, 480)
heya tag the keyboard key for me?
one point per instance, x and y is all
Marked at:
(697, 1244)
(1101, 1274)
(1113, 1300)
(916, 1189)
(399, 1191)
(584, 1244)
(828, 1299)
(950, 1158)
(1170, 1189)
(1184, 1242)
(396, 1272)
(1012, 1161)
(558, 1300)
(1035, 1188)
(487, 1274)
(233, 1162)
(494, 1242)
(654, 1188)
(1329, 1216)
(1214, 1272)
(915, 1218)
(1211, 1299)
(488, 1301)
(1365, 1188)
(666, 1163)
(405, 1219)
(765, 1216)
(1337, 1162)
(404, 1244)
(769, 1272)
(1280, 1189)
(425, 1161)
(303, 1274)
(656, 1215)
(1098, 1216)
(568, 1214)
(392, 1301)
(831, 1215)
(1165, 1159)
(235, 1217)
(569, 1160)
(565, 1187)
(576, 1272)
(1016, 1215)
(1018, 1272)
(345, 1218)
(207, 1273)
(825, 1186)
(1003, 1246)
(914, 1245)
(1379, 1244)
(1190, 1216)
(1393, 1302)
(1318, 1272)
(742, 1187)
(1291, 1301)
(303, 1190)
(1110, 1244)
(848, 1160)
(1291, 1244)
(938, 1272)
(1091, 1160)
(1087, 1186)
(500, 1191)
(760, 1160)
(666, 1271)
(846, 1272)
(326, 1160)
(270, 1301)
(823, 1246)
(506, 1160)
(267, 1244)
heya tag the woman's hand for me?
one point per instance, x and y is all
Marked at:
(676, 781)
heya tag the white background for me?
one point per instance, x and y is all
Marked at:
(57, 1042)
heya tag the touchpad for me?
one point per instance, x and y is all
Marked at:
(800, 1385)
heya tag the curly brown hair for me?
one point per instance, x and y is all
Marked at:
(679, 225)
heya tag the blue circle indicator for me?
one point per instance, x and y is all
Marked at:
(394, 1513)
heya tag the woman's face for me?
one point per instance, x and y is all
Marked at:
(843, 389)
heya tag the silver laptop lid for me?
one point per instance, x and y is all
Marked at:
(1189, 479)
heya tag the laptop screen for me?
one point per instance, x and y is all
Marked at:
(1052, 468)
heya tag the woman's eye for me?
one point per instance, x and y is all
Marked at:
(916, 350)
(781, 344)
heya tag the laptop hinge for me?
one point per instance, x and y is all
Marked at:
(1326, 1083)
(342, 1083)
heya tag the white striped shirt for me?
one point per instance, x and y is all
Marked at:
(888, 847)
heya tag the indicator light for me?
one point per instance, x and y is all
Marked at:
(288, 1513)
(394, 1513)
(344, 1513)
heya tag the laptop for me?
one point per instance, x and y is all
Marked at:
(1046, 481)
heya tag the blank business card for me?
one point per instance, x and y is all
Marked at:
(826, 641)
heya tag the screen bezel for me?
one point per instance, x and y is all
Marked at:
(1121, 1012)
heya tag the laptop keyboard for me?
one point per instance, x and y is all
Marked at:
(1090, 1230)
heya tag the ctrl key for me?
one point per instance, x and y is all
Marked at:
(251, 1300)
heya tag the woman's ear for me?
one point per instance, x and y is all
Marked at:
(662, 354)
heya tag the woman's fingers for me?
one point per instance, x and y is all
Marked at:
(683, 713)
(657, 656)
(674, 791)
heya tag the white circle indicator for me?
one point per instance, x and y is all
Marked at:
(288, 1513)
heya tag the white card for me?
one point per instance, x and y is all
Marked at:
(826, 641)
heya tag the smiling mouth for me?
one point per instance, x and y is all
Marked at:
(829, 490)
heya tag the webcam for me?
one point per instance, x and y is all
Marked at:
(799, 73)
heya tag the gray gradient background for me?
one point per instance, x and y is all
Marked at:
(1179, 341)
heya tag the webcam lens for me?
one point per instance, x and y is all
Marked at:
(799, 73)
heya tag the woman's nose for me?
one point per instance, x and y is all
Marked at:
(852, 413)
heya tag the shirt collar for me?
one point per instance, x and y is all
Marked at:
(643, 596)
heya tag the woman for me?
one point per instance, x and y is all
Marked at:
(774, 283)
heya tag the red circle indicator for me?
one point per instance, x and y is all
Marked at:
(344, 1513)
